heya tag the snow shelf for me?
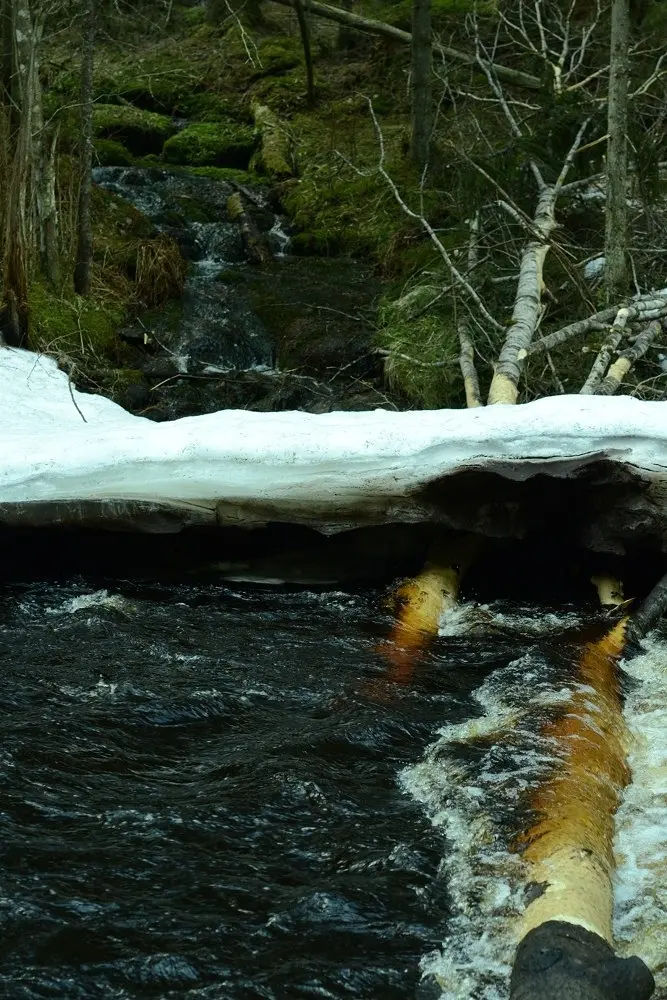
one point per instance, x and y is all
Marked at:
(62, 447)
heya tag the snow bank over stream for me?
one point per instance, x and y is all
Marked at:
(59, 444)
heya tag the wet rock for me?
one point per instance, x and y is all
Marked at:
(311, 318)
(562, 961)
(157, 369)
(136, 397)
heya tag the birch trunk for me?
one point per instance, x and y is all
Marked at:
(422, 54)
(527, 304)
(84, 253)
(468, 370)
(616, 221)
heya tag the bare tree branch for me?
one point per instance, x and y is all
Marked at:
(528, 301)
(601, 363)
(456, 274)
(620, 368)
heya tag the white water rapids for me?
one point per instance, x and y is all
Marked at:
(473, 778)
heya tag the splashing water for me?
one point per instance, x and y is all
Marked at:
(640, 918)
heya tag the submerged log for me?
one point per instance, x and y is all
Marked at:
(566, 950)
(568, 852)
(422, 601)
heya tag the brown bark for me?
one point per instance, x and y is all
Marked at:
(84, 252)
(44, 177)
(307, 54)
(616, 216)
(14, 316)
(422, 98)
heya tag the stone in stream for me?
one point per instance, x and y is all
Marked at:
(562, 961)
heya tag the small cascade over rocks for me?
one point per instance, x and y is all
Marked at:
(220, 346)
(216, 326)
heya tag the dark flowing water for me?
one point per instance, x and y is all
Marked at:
(200, 794)
(217, 790)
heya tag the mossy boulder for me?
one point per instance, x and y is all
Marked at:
(141, 132)
(278, 55)
(67, 324)
(216, 144)
(109, 153)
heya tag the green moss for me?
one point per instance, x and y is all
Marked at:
(278, 55)
(655, 18)
(140, 131)
(218, 144)
(443, 11)
(109, 153)
(115, 218)
(422, 362)
(227, 174)
(274, 155)
(281, 93)
(69, 325)
(230, 277)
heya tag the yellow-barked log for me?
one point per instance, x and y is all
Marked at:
(422, 600)
(568, 852)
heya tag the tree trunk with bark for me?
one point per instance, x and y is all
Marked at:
(307, 53)
(616, 220)
(422, 98)
(14, 312)
(44, 143)
(84, 253)
(527, 304)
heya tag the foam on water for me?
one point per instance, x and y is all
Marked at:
(640, 918)
(473, 782)
(98, 599)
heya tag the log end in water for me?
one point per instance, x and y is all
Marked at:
(562, 961)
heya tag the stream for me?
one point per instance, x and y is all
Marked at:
(217, 791)
(291, 333)
(215, 788)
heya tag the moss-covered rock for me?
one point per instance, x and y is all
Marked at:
(140, 131)
(109, 153)
(65, 324)
(278, 55)
(227, 174)
(217, 144)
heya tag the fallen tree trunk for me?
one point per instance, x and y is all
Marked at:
(611, 383)
(527, 304)
(346, 17)
(566, 950)
(274, 152)
(255, 245)
(649, 612)
(468, 370)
